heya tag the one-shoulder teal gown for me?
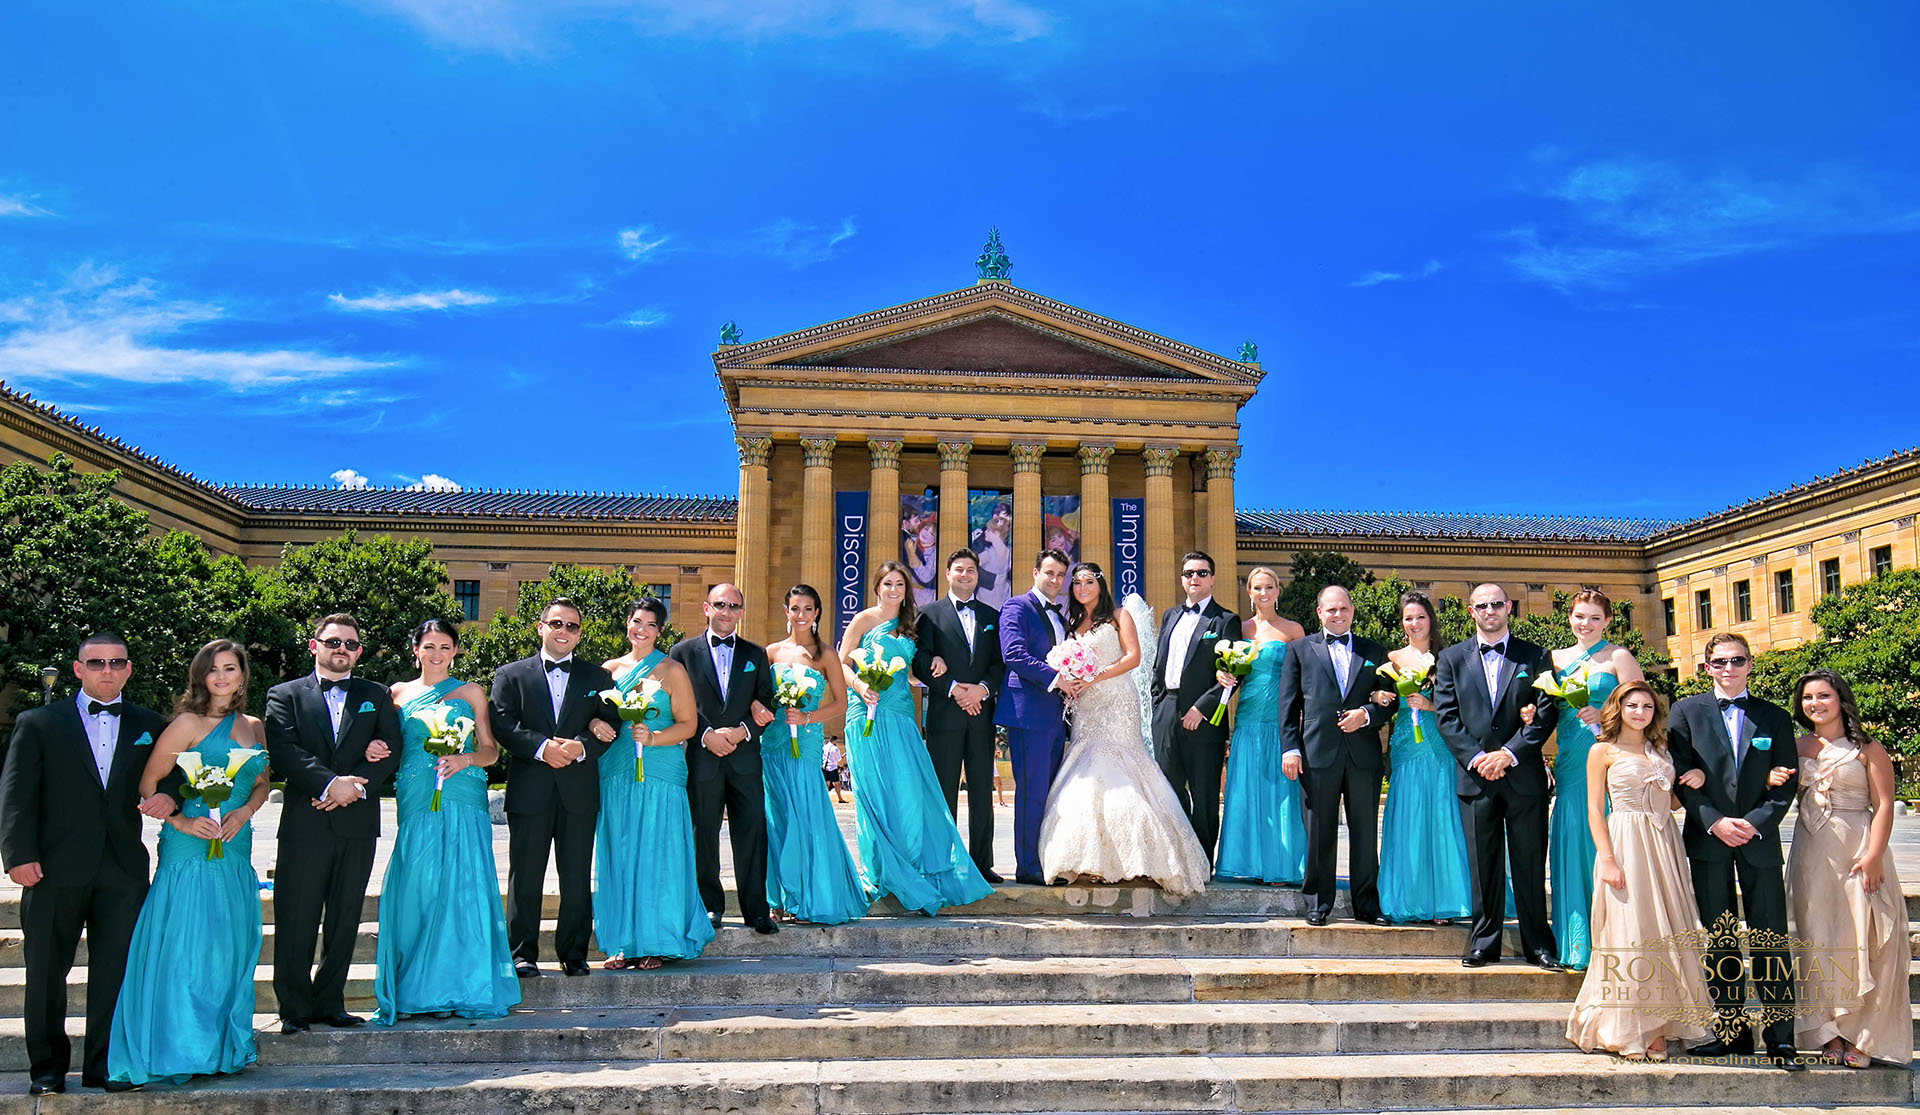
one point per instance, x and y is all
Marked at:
(1262, 835)
(645, 902)
(186, 1005)
(1424, 874)
(443, 937)
(1570, 850)
(810, 873)
(908, 841)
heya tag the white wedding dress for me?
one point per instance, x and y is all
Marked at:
(1111, 816)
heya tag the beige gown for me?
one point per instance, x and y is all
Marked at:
(1864, 935)
(1639, 986)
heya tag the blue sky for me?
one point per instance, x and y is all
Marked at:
(491, 242)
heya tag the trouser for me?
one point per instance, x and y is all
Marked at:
(1321, 789)
(531, 837)
(319, 886)
(968, 745)
(51, 918)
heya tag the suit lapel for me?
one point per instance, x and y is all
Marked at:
(311, 708)
(123, 750)
(571, 695)
(74, 726)
(1509, 669)
(701, 668)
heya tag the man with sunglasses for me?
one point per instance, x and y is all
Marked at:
(335, 739)
(1191, 748)
(1482, 691)
(1732, 835)
(547, 712)
(70, 836)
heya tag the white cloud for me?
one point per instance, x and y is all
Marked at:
(17, 206)
(640, 242)
(99, 325)
(642, 318)
(1374, 278)
(347, 478)
(799, 244)
(384, 302)
(432, 482)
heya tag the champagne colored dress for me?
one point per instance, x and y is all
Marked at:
(1862, 937)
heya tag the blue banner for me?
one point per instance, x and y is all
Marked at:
(1129, 542)
(849, 558)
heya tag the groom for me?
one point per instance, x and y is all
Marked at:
(1030, 706)
(959, 630)
(1191, 748)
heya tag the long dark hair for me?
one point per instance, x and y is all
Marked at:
(818, 649)
(1102, 608)
(1849, 708)
(654, 607)
(909, 611)
(198, 699)
(1436, 642)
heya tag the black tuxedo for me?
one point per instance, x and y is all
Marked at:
(1192, 760)
(325, 858)
(1336, 763)
(550, 811)
(955, 739)
(733, 782)
(1505, 818)
(1697, 736)
(85, 836)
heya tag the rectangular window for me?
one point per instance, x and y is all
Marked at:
(1666, 611)
(1829, 576)
(1742, 601)
(467, 595)
(1703, 609)
(1882, 560)
(1783, 592)
(662, 593)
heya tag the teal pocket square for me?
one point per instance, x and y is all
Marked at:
(988, 627)
(146, 739)
(1763, 743)
(366, 706)
(747, 669)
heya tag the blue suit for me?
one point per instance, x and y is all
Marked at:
(1033, 715)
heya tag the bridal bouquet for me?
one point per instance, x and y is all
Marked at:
(447, 734)
(791, 684)
(213, 785)
(876, 671)
(635, 706)
(1074, 659)
(1235, 657)
(1571, 687)
(1416, 678)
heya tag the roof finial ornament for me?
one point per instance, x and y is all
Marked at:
(729, 334)
(993, 263)
(1249, 352)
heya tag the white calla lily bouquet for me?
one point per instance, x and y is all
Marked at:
(447, 734)
(792, 684)
(635, 706)
(876, 671)
(213, 785)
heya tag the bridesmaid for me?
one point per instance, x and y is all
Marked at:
(1648, 888)
(1841, 884)
(1424, 874)
(442, 948)
(810, 873)
(186, 1006)
(1262, 835)
(1569, 843)
(646, 907)
(908, 841)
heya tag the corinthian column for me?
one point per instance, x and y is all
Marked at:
(752, 537)
(883, 506)
(816, 521)
(1026, 506)
(1161, 560)
(953, 503)
(1223, 534)
(1096, 509)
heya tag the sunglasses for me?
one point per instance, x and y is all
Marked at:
(560, 625)
(1196, 572)
(98, 664)
(1733, 663)
(1492, 606)
(336, 644)
(724, 605)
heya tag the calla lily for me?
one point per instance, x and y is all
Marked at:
(237, 758)
(1416, 677)
(1236, 658)
(1570, 688)
(190, 764)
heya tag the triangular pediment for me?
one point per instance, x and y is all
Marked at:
(992, 340)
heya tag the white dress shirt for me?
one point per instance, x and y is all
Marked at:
(557, 693)
(722, 655)
(1736, 720)
(1490, 664)
(1058, 621)
(1185, 629)
(103, 733)
(964, 609)
(336, 699)
(1340, 651)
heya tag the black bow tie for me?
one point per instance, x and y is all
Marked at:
(565, 666)
(1339, 639)
(333, 683)
(95, 708)
(721, 641)
(1052, 607)
(1494, 648)
(1192, 609)
(1732, 702)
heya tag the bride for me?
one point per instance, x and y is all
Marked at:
(1111, 815)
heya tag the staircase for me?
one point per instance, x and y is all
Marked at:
(1034, 999)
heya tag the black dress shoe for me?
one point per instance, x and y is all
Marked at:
(1477, 958)
(1546, 962)
(1030, 880)
(47, 1085)
(526, 969)
(1739, 1047)
(575, 967)
(1378, 919)
(1316, 918)
(292, 1026)
(122, 1086)
(1786, 1057)
(765, 924)
(341, 1020)
(713, 920)
(991, 876)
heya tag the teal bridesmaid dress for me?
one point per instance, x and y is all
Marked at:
(443, 938)
(186, 1006)
(645, 902)
(1570, 850)
(1424, 873)
(810, 873)
(1262, 834)
(908, 841)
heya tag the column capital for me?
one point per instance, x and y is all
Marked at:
(953, 454)
(1220, 460)
(884, 452)
(1026, 456)
(817, 452)
(1159, 459)
(1094, 458)
(754, 450)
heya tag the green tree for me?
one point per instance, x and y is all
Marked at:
(391, 586)
(602, 596)
(1376, 613)
(223, 597)
(1554, 629)
(1312, 571)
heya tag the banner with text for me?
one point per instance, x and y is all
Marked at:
(1129, 537)
(849, 558)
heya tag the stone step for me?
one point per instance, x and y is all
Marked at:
(845, 1086)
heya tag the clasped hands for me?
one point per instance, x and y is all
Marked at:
(348, 788)
(722, 741)
(1735, 831)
